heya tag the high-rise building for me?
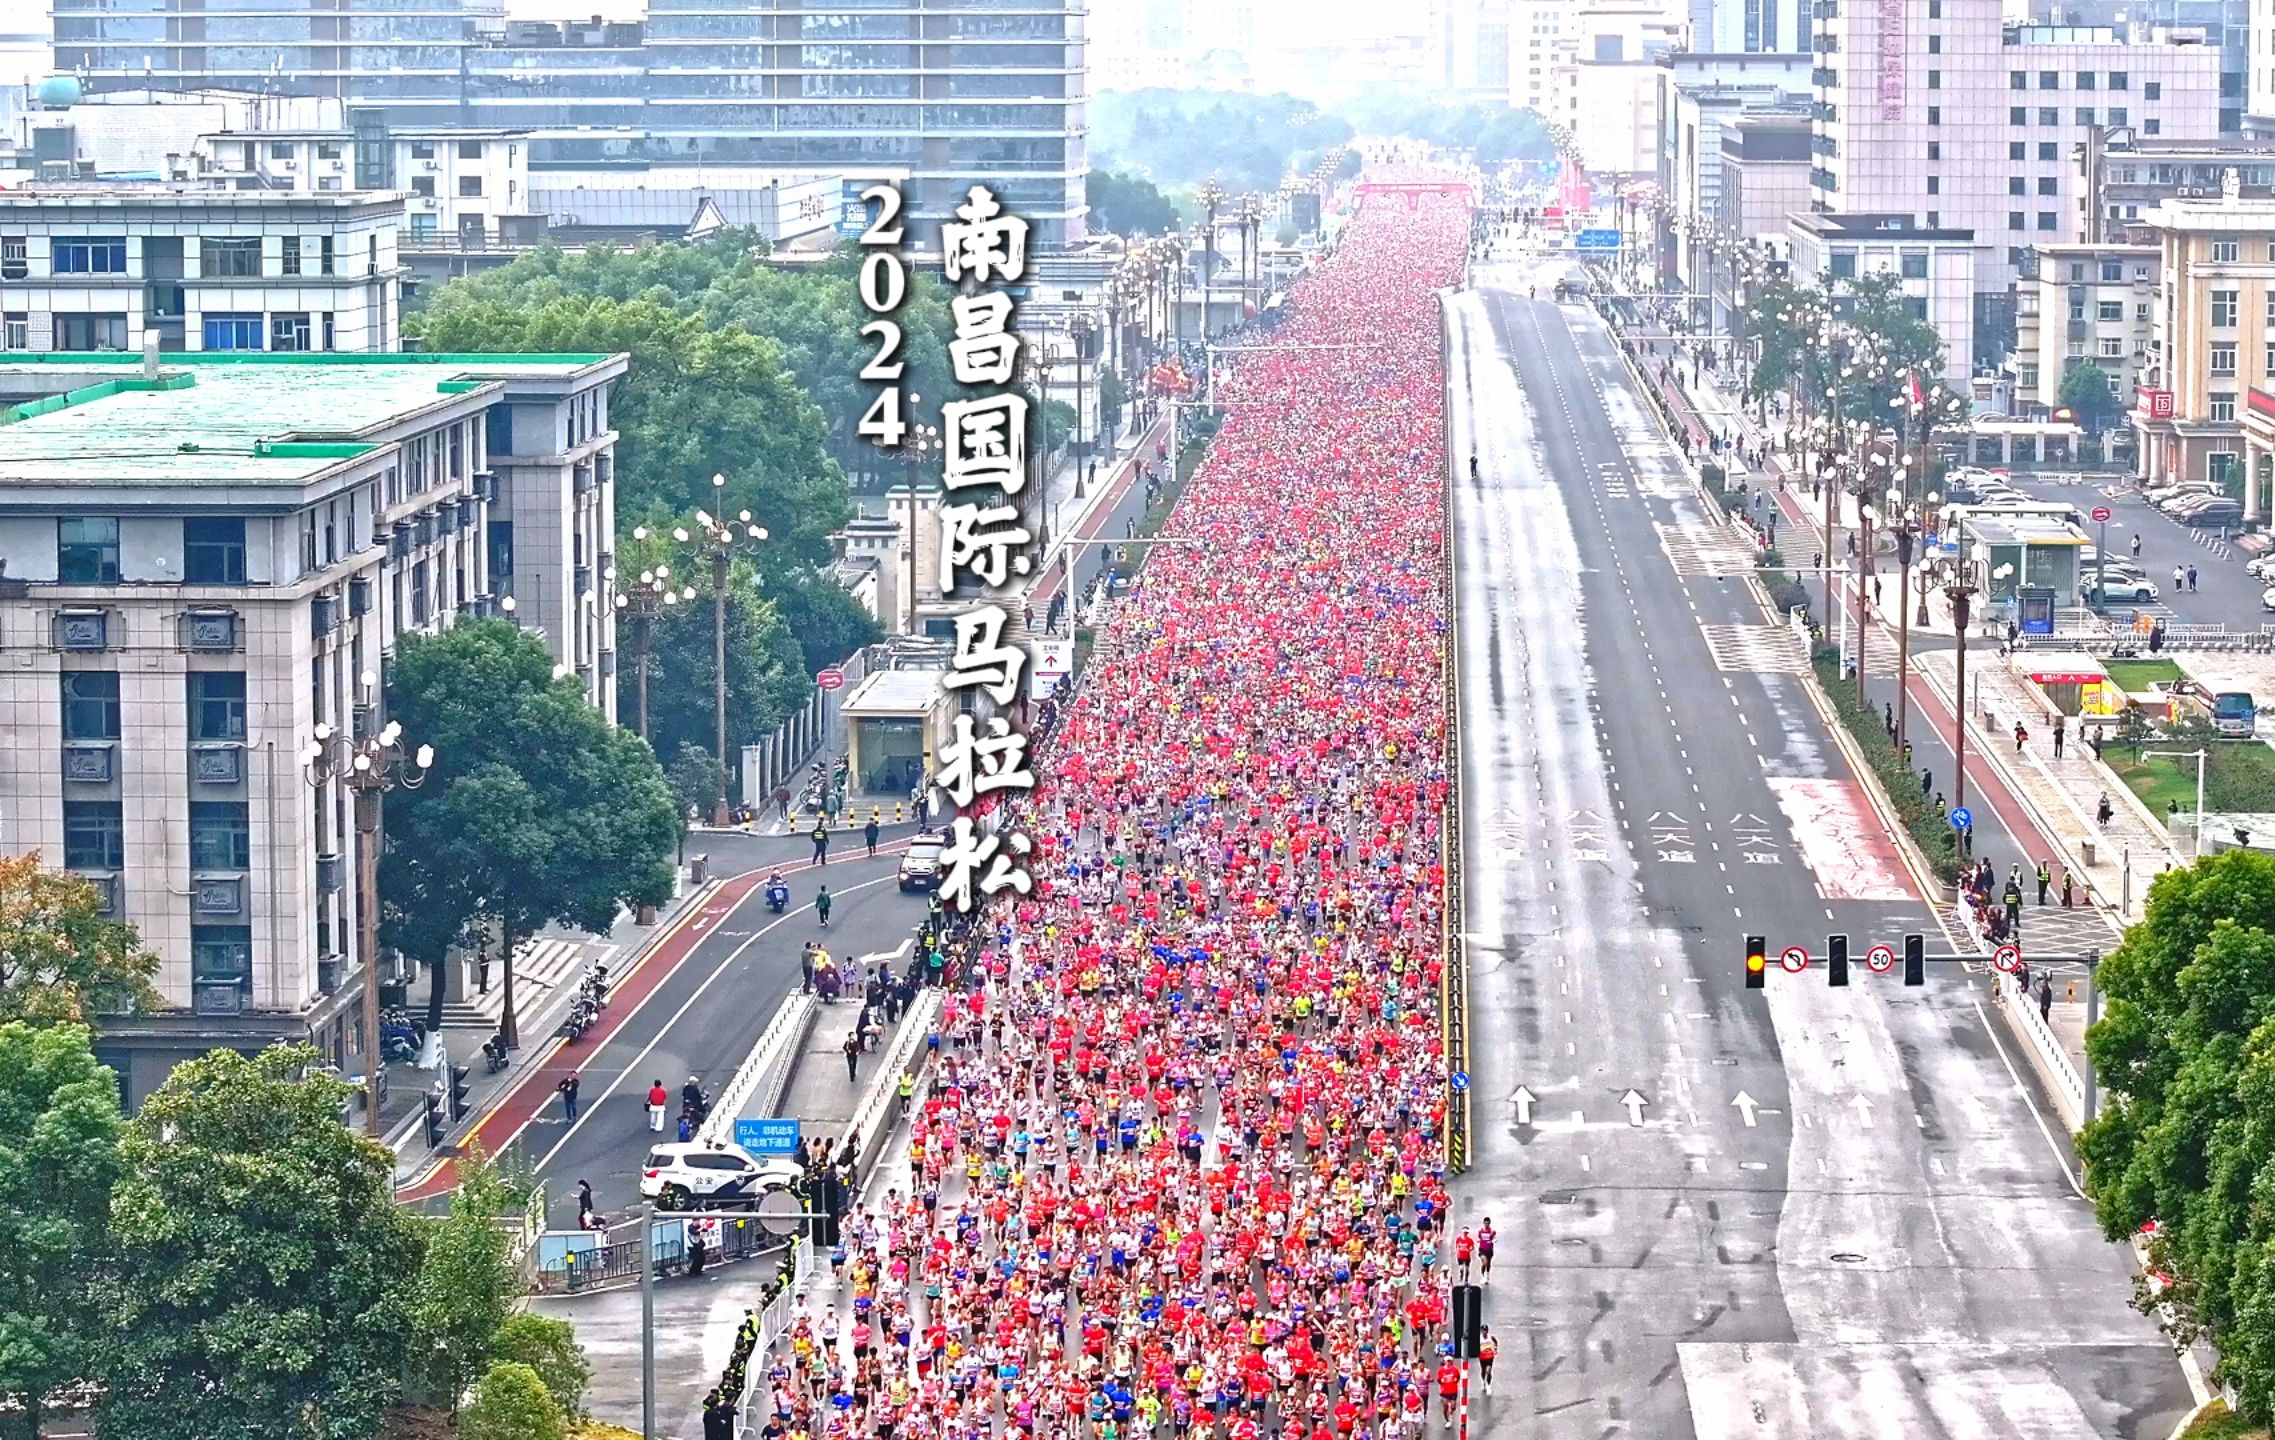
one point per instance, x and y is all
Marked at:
(2208, 346)
(1749, 27)
(949, 93)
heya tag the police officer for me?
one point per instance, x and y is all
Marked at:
(820, 838)
(2045, 879)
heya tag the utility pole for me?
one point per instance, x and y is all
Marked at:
(722, 537)
(1961, 593)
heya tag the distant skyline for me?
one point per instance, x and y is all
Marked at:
(575, 9)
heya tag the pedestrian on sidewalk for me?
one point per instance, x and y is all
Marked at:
(869, 834)
(853, 1056)
(2191, 578)
(2045, 879)
(2046, 998)
(2061, 724)
(658, 1098)
(821, 905)
(2021, 737)
(820, 837)
(2065, 887)
(2104, 811)
(1888, 717)
(2179, 578)
(782, 800)
(806, 969)
(584, 1204)
(568, 1089)
(1927, 781)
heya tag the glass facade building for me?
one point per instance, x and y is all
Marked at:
(953, 92)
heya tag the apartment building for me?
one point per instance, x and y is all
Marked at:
(2213, 333)
(469, 185)
(103, 268)
(1935, 269)
(1613, 96)
(2089, 304)
(1541, 57)
(1939, 110)
(1699, 98)
(2123, 175)
(206, 556)
(1749, 27)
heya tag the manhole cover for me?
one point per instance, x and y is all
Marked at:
(1847, 1257)
(1571, 1240)
(1557, 1197)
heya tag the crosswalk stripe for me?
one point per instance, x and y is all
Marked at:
(1698, 550)
(1756, 649)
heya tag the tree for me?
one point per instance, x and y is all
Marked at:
(257, 1285)
(2186, 1051)
(1058, 425)
(465, 1286)
(1779, 328)
(2085, 392)
(827, 623)
(766, 675)
(511, 1403)
(59, 1133)
(694, 778)
(59, 958)
(537, 809)
(1128, 205)
(1879, 322)
(1113, 394)
(550, 1348)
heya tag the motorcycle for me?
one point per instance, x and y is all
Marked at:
(581, 1018)
(777, 897)
(595, 986)
(494, 1053)
(399, 1037)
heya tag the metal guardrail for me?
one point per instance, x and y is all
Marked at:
(1453, 955)
(759, 1081)
(616, 1261)
(774, 1319)
(909, 1053)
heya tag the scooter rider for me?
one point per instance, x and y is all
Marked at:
(691, 1098)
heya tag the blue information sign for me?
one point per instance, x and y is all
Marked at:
(1961, 820)
(1459, 1080)
(1596, 241)
(767, 1137)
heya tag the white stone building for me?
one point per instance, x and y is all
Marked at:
(206, 556)
(104, 267)
(2091, 304)
(1935, 269)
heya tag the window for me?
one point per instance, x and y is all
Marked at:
(288, 259)
(2119, 80)
(2016, 220)
(221, 836)
(469, 149)
(94, 835)
(90, 332)
(280, 149)
(2048, 150)
(1935, 9)
(1935, 79)
(2119, 115)
(422, 149)
(222, 955)
(2225, 307)
(233, 332)
(1934, 187)
(86, 550)
(15, 331)
(2152, 126)
(2152, 90)
(2271, 307)
(324, 255)
(501, 549)
(90, 705)
(288, 331)
(423, 185)
(2112, 347)
(2226, 252)
(328, 330)
(2049, 116)
(1935, 149)
(2077, 272)
(2026, 375)
(217, 704)
(2085, 115)
(1935, 114)
(327, 150)
(2018, 115)
(2017, 149)
(1935, 44)
(1917, 304)
(2112, 272)
(235, 257)
(1844, 264)
(2270, 366)
(2221, 407)
(2017, 80)
(2110, 310)
(2049, 80)
(2016, 185)
(1915, 264)
(15, 258)
(2084, 80)
(2224, 359)
(471, 185)
(105, 256)
(213, 550)
(2047, 220)
(2049, 185)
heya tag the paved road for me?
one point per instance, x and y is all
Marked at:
(695, 1006)
(1892, 1247)
(2224, 594)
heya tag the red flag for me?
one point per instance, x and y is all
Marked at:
(1917, 396)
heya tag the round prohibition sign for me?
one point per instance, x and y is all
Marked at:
(2007, 959)
(1794, 959)
(1880, 959)
(2101, 514)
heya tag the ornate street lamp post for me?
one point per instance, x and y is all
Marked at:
(370, 768)
(724, 538)
(640, 605)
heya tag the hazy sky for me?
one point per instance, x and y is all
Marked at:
(576, 9)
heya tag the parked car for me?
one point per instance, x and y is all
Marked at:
(2267, 598)
(712, 1175)
(2127, 590)
(2262, 568)
(2214, 512)
(920, 867)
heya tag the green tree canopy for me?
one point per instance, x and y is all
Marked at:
(59, 1134)
(766, 673)
(694, 776)
(511, 1403)
(1128, 205)
(2085, 391)
(548, 1347)
(827, 623)
(537, 809)
(60, 959)
(2186, 1051)
(258, 1285)
(465, 1287)
(1180, 138)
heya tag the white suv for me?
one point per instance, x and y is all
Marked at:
(700, 1175)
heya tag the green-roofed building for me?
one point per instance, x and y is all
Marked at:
(203, 558)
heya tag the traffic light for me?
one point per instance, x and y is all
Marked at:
(1757, 961)
(434, 1119)
(1468, 1320)
(1836, 957)
(1915, 959)
(458, 1074)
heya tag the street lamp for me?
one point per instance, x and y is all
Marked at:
(1960, 591)
(1082, 329)
(371, 767)
(916, 451)
(1907, 535)
(640, 604)
(723, 537)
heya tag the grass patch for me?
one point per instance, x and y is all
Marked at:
(1928, 828)
(2220, 1423)
(2238, 776)
(2136, 675)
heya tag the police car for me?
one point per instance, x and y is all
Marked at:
(702, 1175)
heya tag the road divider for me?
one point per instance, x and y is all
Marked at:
(872, 1124)
(758, 1083)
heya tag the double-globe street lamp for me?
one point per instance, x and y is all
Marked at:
(639, 604)
(725, 539)
(370, 767)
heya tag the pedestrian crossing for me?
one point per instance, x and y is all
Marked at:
(1705, 550)
(1757, 649)
(540, 966)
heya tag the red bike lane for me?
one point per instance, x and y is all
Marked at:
(552, 1060)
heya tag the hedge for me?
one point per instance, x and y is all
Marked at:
(1930, 827)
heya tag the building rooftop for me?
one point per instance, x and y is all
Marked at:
(120, 195)
(238, 420)
(1861, 226)
(895, 692)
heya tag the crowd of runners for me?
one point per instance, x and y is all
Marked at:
(1179, 1168)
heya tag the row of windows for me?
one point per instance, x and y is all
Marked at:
(219, 257)
(2150, 126)
(213, 550)
(2052, 115)
(2085, 80)
(94, 835)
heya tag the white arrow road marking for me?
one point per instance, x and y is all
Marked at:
(1746, 1105)
(893, 954)
(1524, 1099)
(1863, 1111)
(1634, 1104)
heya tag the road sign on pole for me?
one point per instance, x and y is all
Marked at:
(1880, 959)
(1794, 959)
(1962, 819)
(1459, 1080)
(2007, 959)
(2101, 514)
(767, 1137)
(830, 679)
(1596, 242)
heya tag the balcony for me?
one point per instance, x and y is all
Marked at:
(217, 896)
(359, 596)
(211, 631)
(226, 998)
(331, 873)
(110, 891)
(323, 615)
(89, 762)
(330, 971)
(217, 762)
(82, 631)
